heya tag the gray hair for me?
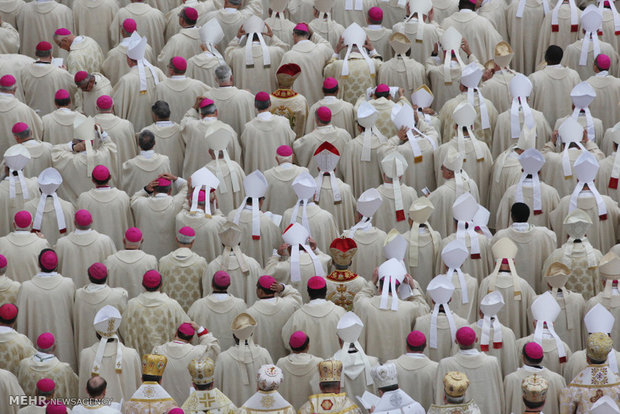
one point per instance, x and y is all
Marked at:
(455, 400)
(223, 73)
(235, 2)
(8, 89)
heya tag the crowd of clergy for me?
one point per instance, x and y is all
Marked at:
(309, 206)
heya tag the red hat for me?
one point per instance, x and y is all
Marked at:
(3, 262)
(261, 97)
(187, 231)
(98, 271)
(179, 63)
(297, 339)
(344, 244)
(186, 329)
(151, 279)
(105, 102)
(221, 278)
(101, 173)
(382, 87)
(465, 336)
(133, 235)
(61, 94)
(302, 27)
(80, 76)
(49, 260)
(19, 127)
(45, 340)
(291, 69)
(62, 32)
(324, 114)
(375, 14)
(8, 311)
(206, 102)
(129, 25)
(533, 351)
(284, 151)
(46, 385)
(190, 13)
(23, 219)
(603, 61)
(43, 46)
(330, 83)
(266, 281)
(7, 80)
(416, 339)
(55, 407)
(316, 282)
(163, 182)
(83, 218)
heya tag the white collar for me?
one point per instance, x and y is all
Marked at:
(45, 274)
(78, 39)
(160, 195)
(10, 94)
(209, 119)
(164, 123)
(416, 355)
(469, 351)
(532, 369)
(21, 232)
(264, 116)
(230, 10)
(147, 154)
(466, 11)
(220, 296)
(521, 227)
(103, 188)
(78, 231)
(65, 109)
(374, 27)
(559, 65)
(6, 329)
(602, 73)
(177, 77)
(330, 98)
(286, 165)
(303, 41)
(317, 301)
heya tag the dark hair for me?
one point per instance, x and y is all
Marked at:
(43, 53)
(596, 362)
(187, 19)
(96, 390)
(389, 388)
(301, 33)
(417, 348)
(146, 140)
(530, 360)
(39, 261)
(382, 94)
(317, 293)
(208, 110)
(161, 109)
(262, 105)
(530, 404)
(202, 387)
(264, 290)
(151, 378)
(63, 102)
(183, 336)
(373, 21)
(101, 182)
(302, 347)
(152, 289)
(466, 4)
(97, 281)
(218, 287)
(174, 69)
(520, 212)
(8, 321)
(249, 200)
(554, 55)
(24, 134)
(331, 90)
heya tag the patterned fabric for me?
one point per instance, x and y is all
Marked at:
(148, 407)
(211, 402)
(30, 371)
(588, 386)
(13, 348)
(467, 408)
(329, 403)
(86, 55)
(182, 272)
(359, 79)
(8, 290)
(582, 279)
(292, 106)
(342, 286)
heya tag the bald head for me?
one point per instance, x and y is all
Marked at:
(96, 386)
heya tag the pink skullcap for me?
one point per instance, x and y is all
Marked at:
(206, 102)
(62, 32)
(163, 182)
(316, 282)
(284, 151)
(302, 27)
(176, 410)
(324, 114)
(202, 196)
(221, 278)
(45, 340)
(465, 336)
(186, 329)
(375, 14)
(43, 46)
(19, 127)
(382, 87)
(133, 235)
(533, 351)
(416, 339)
(330, 83)
(179, 63)
(262, 97)
(98, 271)
(603, 61)
(55, 407)
(266, 281)
(49, 260)
(83, 217)
(101, 173)
(3, 262)
(105, 102)
(80, 76)
(61, 94)
(23, 219)
(7, 80)
(129, 25)
(297, 339)
(46, 385)
(190, 13)
(187, 231)
(151, 279)
(8, 311)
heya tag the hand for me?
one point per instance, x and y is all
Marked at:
(409, 280)
(312, 243)
(584, 139)
(168, 176)
(436, 49)
(401, 92)
(487, 74)
(99, 129)
(79, 146)
(197, 102)
(194, 325)
(375, 276)
(465, 47)
(339, 45)
(269, 31)
(554, 137)
(241, 32)
(402, 134)
(368, 44)
(428, 110)
(283, 249)
(150, 186)
(277, 287)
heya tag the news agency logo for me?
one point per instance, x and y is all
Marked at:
(25, 400)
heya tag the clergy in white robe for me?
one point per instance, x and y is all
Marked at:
(90, 87)
(83, 52)
(353, 12)
(46, 303)
(596, 124)
(502, 138)
(144, 167)
(202, 66)
(13, 346)
(15, 187)
(150, 396)
(10, 38)
(151, 317)
(455, 386)
(180, 352)
(38, 21)
(280, 194)
(150, 22)
(323, 24)
(217, 310)
(560, 27)
(9, 288)
(9, 387)
(40, 152)
(343, 113)
(573, 52)
(607, 89)
(287, 102)
(230, 17)
(236, 367)
(379, 34)
(204, 396)
(520, 16)
(168, 136)
(58, 124)
(186, 42)
(267, 398)
(532, 355)
(120, 130)
(342, 284)
(205, 226)
(94, 19)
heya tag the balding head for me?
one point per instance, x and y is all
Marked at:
(96, 386)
